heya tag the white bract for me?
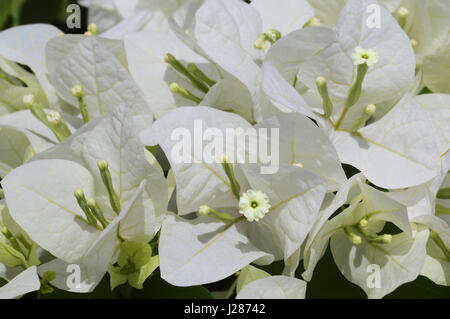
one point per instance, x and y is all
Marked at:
(224, 139)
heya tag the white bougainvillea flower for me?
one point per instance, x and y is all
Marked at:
(73, 165)
(325, 64)
(254, 205)
(358, 241)
(294, 195)
(274, 287)
(25, 282)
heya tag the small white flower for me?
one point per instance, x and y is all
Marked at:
(54, 117)
(254, 205)
(360, 56)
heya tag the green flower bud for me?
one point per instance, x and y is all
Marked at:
(354, 238)
(440, 243)
(78, 92)
(29, 100)
(179, 67)
(81, 200)
(322, 87)
(96, 211)
(444, 193)
(363, 223)
(380, 239)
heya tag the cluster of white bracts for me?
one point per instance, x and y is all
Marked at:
(338, 79)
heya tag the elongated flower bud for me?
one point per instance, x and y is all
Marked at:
(97, 212)
(178, 66)
(78, 92)
(107, 181)
(229, 171)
